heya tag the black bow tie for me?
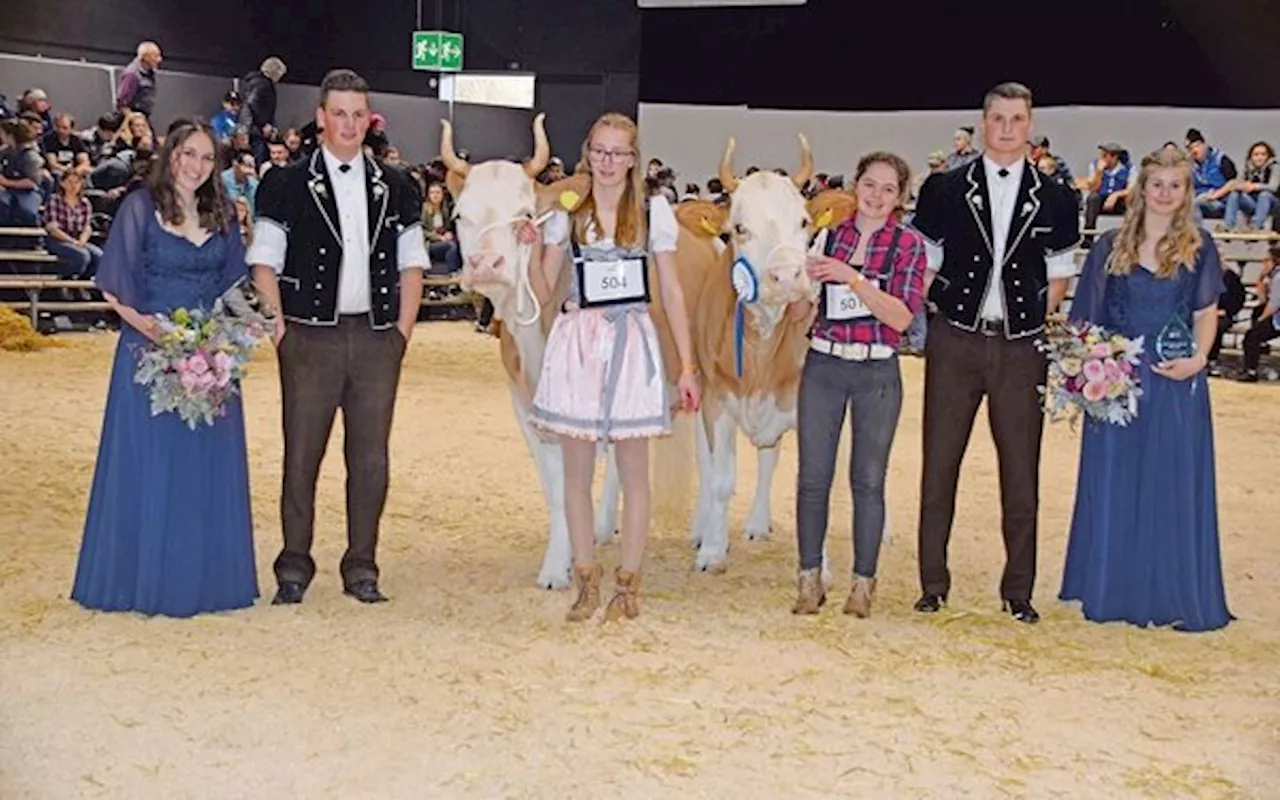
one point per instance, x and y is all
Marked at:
(1003, 173)
(345, 168)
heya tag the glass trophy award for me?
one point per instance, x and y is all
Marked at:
(1176, 339)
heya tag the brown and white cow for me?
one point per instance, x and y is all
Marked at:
(770, 228)
(492, 200)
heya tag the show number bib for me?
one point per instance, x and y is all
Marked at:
(843, 304)
(611, 282)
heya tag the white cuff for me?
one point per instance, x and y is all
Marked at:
(270, 243)
(1063, 265)
(933, 256)
(411, 249)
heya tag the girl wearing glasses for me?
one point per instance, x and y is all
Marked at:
(602, 374)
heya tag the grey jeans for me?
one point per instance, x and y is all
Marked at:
(873, 392)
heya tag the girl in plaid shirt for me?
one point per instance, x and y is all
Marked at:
(67, 223)
(872, 277)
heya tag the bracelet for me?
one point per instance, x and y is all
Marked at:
(688, 369)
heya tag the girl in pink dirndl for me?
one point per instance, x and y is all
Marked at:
(602, 375)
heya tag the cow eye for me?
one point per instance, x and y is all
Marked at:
(739, 230)
(806, 222)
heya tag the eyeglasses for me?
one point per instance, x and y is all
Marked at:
(600, 154)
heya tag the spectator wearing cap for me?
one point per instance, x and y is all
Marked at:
(36, 102)
(964, 152)
(241, 180)
(1039, 150)
(1108, 186)
(136, 90)
(224, 122)
(1214, 172)
(1255, 192)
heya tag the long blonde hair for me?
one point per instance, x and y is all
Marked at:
(1180, 244)
(629, 230)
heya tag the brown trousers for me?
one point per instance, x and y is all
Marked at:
(355, 368)
(960, 368)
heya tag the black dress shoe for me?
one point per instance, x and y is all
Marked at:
(931, 603)
(365, 591)
(289, 593)
(1022, 611)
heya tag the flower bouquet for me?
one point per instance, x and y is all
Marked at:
(199, 359)
(1091, 370)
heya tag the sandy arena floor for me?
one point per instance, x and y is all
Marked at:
(469, 684)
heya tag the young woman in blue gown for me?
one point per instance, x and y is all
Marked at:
(168, 529)
(1144, 534)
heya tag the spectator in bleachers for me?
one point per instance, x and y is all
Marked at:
(293, 141)
(937, 163)
(1254, 192)
(439, 228)
(101, 143)
(1266, 324)
(63, 150)
(715, 191)
(244, 215)
(67, 219)
(258, 110)
(963, 152)
(1108, 186)
(691, 192)
(136, 90)
(22, 178)
(376, 138)
(279, 155)
(1214, 172)
(240, 143)
(36, 101)
(241, 180)
(224, 122)
(135, 133)
(38, 126)
(1039, 148)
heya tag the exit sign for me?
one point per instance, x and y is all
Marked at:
(439, 51)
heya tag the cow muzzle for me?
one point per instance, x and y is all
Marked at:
(783, 277)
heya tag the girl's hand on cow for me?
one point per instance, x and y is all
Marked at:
(690, 392)
(829, 270)
(527, 233)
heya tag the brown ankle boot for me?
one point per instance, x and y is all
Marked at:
(626, 596)
(588, 581)
(811, 595)
(859, 602)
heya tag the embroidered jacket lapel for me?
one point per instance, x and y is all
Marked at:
(979, 202)
(322, 194)
(1024, 210)
(377, 194)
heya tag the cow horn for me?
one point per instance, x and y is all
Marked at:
(727, 180)
(806, 164)
(541, 148)
(447, 155)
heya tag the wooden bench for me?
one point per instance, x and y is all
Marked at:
(33, 285)
(443, 281)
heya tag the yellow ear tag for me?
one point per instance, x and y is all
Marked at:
(708, 226)
(823, 220)
(569, 199)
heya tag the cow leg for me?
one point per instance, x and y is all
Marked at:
(714, 551)
(759, 522)
(607, 513)
(549, 461)
(702, 513)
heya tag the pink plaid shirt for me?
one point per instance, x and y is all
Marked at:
(904, 279)
(71, 219)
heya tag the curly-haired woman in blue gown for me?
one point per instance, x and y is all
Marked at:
(168, 530)
(1144, 535)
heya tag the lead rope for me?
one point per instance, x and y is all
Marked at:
(523, 285)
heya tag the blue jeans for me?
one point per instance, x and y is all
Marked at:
(872, 393)
(1259, 204)
(445, 253)
(75, 261)
(20, 207)
(1212, 209)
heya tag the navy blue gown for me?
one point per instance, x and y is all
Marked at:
(168, 529)
(1144, 533)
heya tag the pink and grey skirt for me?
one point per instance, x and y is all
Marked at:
(602, 377)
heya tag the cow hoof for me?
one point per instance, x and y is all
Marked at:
(757, 534)
(606, 537)
(553, 579)
(711, 564)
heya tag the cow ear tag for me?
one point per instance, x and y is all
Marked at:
(569, 200)
(709, 226)
(745, 282)
(824, 219)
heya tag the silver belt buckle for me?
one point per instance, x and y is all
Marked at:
(991, 327)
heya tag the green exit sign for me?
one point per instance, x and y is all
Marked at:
(440, 51)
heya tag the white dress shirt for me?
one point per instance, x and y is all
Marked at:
(353, 223)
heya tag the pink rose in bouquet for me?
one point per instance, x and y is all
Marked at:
(1091, 371)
